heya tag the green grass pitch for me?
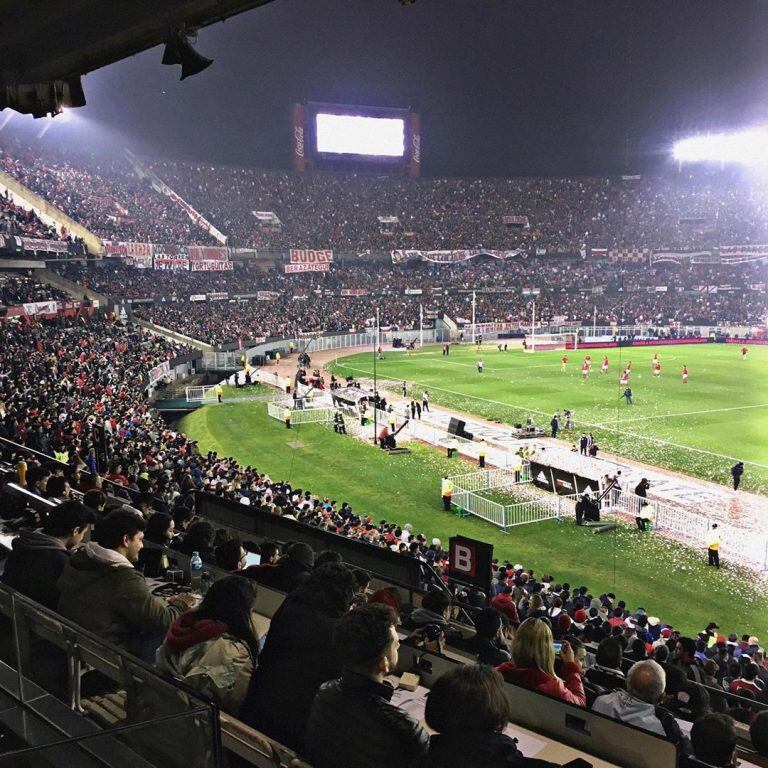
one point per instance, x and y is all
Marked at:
(667, 579)
(701, 428)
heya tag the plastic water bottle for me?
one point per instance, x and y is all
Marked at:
(195, 571)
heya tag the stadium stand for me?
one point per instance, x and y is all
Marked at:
(76, 423)
(626, 294)
(103, 194)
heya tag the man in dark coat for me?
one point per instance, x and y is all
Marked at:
(294, 569)
(299, 655)
(737, 470)
(358, 703)
(38, 557)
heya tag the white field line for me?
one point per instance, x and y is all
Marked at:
(590, 424)
(688, 413)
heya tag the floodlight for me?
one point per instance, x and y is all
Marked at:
(748, 147)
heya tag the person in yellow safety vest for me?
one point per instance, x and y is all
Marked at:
(287, 417)
(447, 491)
(287, 383)
(277, 358)
(244, 362)
(481, 458)
(713, 546)
(219, 392)
(290, 347)
(518, 467)
(392, 419)
(363, 416)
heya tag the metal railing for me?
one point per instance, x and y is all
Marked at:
(301, 415)
(43, 663)
(747, 546)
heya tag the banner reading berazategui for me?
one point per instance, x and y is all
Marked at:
(305, 260)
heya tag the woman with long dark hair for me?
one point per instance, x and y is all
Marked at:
(214, 648)
(468, 709)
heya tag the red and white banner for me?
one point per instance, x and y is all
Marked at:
(727, 252)
(629, 254)
(41, 307)
(267, 295)
(38, 244)
(353, 292)
(211, 266)
(133, 254)
(318, 267)
(219, 296)
(309, 256)
(171, 257)
(160, 186)
(450, 257)
(158, 372)
(516, 221)
(207, 253)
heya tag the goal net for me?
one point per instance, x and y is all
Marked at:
(541, 342)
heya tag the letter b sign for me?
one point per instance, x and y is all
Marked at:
(470, 562)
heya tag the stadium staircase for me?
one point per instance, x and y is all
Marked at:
(74, 289)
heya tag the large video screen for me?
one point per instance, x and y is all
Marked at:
(360, 135)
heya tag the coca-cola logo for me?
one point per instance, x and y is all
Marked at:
(298, 140)
(416, 147)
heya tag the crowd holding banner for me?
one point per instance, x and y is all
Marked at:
(451, 257)
(193, 258)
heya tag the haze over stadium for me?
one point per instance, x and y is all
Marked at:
(391, 391)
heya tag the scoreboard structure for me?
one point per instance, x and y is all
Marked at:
(344, 137)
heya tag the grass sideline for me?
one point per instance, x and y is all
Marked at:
(701, 428)
(667, 579)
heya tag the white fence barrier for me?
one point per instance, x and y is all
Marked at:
(301, 415)
(743, 546)
(468, 490)
(198, 393)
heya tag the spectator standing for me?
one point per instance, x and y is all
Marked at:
(299, 655)
(359, 701)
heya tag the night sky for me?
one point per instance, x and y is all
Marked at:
(504, 87)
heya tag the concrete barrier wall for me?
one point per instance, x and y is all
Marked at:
(48, 213)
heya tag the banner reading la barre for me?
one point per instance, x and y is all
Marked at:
(308, 260)
(451, 257)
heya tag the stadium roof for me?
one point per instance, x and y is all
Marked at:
(45, 41)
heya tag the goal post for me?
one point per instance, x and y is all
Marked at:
(542, 342)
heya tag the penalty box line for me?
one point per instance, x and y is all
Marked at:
(597, 425)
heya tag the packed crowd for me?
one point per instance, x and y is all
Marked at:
(102, 193)
(61, 381)
(317, 691)
(341, 211)
(16, 221)
(622, 295)
(16, 289)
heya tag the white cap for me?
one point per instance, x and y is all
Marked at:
(435, 542)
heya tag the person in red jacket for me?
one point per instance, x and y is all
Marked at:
(533, 664)
(505, 603)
